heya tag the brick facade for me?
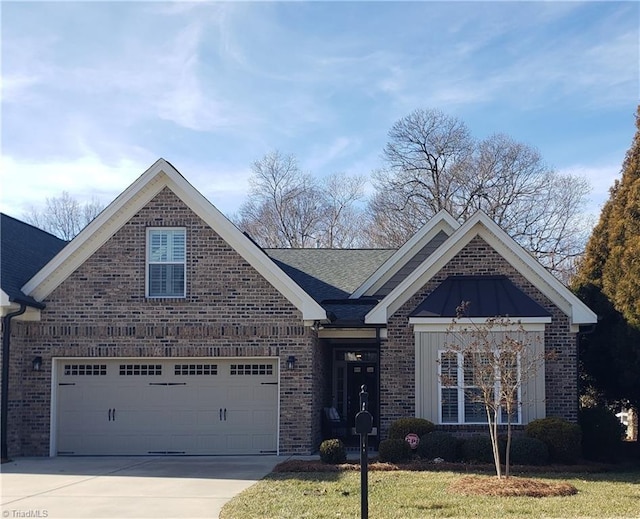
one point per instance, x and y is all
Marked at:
(230, 311)
(397, 352)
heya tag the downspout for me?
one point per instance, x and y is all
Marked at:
(6, 343)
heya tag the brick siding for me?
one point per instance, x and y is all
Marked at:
(230, 311)
(397, 353)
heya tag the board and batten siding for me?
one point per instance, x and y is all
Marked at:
(428, 344)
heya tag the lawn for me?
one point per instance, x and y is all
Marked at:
(422, 494)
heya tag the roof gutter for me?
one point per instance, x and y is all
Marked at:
(6, 349)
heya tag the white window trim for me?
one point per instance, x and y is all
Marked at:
(460, 387)
(147, 262)
(446, 324)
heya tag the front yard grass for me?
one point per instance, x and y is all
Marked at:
(421, 494)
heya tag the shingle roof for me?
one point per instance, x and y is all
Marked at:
(329, 273)
(330, 276)
(24, 250)
(488, 296)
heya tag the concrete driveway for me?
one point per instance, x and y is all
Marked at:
(127, 487)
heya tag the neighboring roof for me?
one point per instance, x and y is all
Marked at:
(160, 175)
(418, 248)
(24, 250)
(481, 225)
(487, 296)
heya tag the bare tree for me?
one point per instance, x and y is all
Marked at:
(427, 160)
(289, 208)
(63, 215)
(432, 163)
(539, 208)
(342, 220)
(490, 362)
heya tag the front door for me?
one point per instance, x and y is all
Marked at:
(359, 374)
(351, 370)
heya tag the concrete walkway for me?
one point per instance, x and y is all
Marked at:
(127, 487)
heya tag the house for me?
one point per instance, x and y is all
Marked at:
(163, 329)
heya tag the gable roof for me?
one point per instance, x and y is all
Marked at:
(160, 175)
(24, 250)
(331, 275)
(414, 251)
(481, 225)
(488, 296)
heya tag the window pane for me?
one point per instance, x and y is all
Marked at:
(504, 415)
(478, 370)
(178, 246)
(449, 369)
(167, 245)
(474, 410)
(166, 280)
(158, 246)
(449, 405)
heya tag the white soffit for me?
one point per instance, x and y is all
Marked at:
(481, 225)
(160, 175)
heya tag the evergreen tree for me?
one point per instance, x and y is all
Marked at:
(609, 282)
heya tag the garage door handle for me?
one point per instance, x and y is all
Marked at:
(109, 414)
(221, 414)
(225, 414)
(114, 415)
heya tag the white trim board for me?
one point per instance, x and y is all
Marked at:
(160, 175)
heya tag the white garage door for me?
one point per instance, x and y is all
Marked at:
(166, 406)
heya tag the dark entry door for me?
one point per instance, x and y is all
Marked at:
(359, 374)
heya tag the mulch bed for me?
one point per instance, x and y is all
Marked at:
(510, 487)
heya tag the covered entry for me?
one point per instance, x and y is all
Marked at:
(165, 406)
(352, 368)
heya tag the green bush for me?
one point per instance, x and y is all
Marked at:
(602, 434)
(400, 428)
(333, 451)
(438, 444)
(562, 438)
(529, 451)
(476, 449)
(394, 450)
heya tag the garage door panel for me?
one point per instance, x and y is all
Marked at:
(194, 406)
(209, 443)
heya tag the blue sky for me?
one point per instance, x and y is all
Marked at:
(94, 92)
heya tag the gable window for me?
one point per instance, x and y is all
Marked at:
(460, 396)
(166, 262)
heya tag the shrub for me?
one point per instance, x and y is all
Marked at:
(602, 434)
(562, 438)
(477, 449)
(394, 450)
(400, 428)
(333, 451)
(529, 451)
(438, 444)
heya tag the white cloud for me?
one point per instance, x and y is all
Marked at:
(27, 184)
